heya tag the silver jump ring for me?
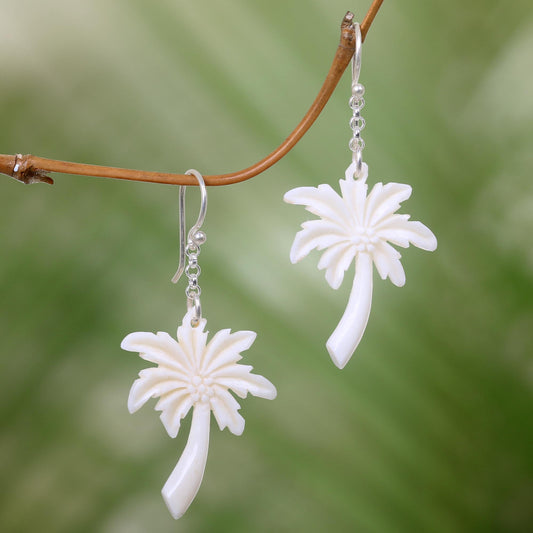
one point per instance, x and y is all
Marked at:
(358, 160)
(194, 303)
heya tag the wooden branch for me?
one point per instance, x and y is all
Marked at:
(34, 169)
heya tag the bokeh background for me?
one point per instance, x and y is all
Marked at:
(429, 427)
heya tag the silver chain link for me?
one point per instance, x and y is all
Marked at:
(193, 270)
(357, 125)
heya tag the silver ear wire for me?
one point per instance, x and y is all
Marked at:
(190, 248)
(182, 222)
(356, 58)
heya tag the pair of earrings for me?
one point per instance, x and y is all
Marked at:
(194, 373)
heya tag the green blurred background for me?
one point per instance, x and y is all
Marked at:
(429, 427)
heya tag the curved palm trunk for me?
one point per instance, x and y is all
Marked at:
(344, 340)
(183, 484)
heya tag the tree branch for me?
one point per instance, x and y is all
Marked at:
(34, 169)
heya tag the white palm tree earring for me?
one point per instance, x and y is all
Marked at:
(356, 226)
(192, 372)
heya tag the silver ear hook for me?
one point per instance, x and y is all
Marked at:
(356, 58)
(190, 248)
(195, 236)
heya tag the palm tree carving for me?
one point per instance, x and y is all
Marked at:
(191, 372)
(360, 227)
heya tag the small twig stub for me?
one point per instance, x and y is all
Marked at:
(26, 173)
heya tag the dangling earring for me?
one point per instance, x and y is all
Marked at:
(193, 373)
(357, 227)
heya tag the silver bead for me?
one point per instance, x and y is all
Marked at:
(199, 238)
(358, 90)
